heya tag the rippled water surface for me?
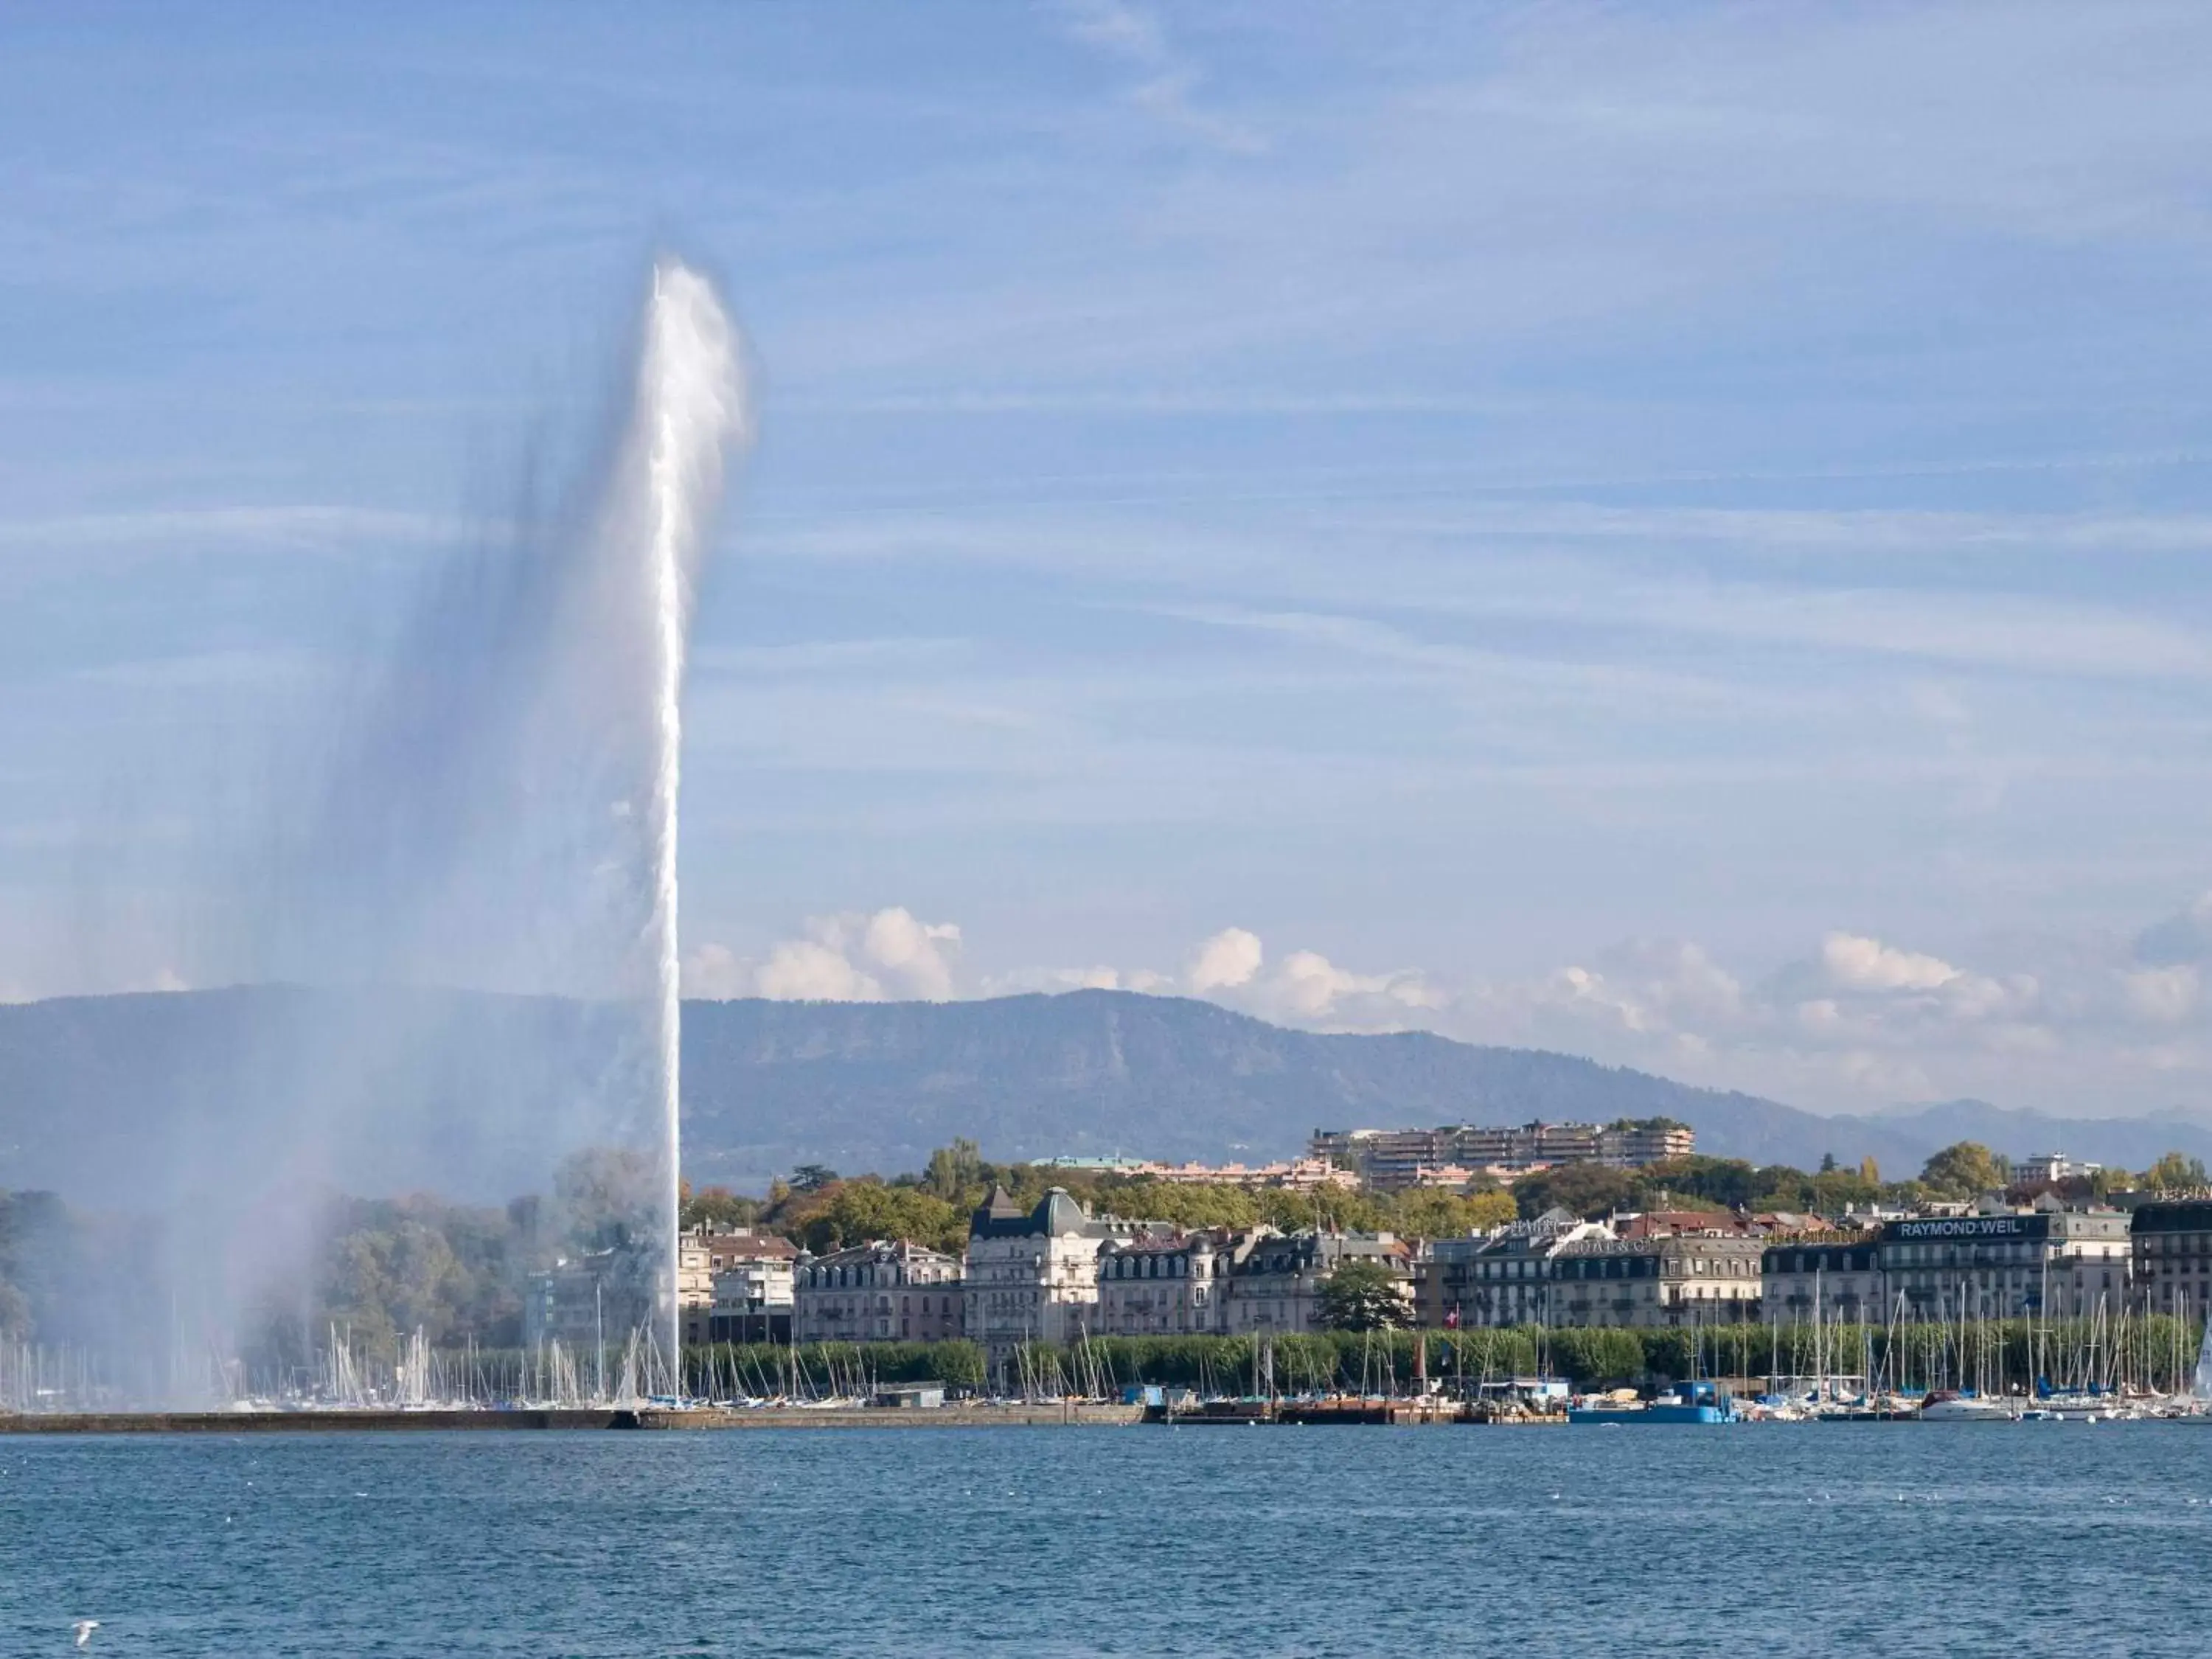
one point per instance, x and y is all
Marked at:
(1884, 1540)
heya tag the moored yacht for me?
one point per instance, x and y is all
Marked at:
(1949, 1406)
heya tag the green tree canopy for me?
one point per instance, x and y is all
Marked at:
(1364, 1296)
(1587, 1190)
(2175, 1173)
(1729, 1181)
(718, 1206)
(847, 1212)
(1964, 1170)
(954, 1171)
(1427, 1213)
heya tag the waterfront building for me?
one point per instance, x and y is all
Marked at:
(1173, 1284)
(1031, 1275)
(597, 1298)
(1276, 1285)
(742, 1312)
(2170, 1246)
(1505, 1278)
(1709, 1276)
(1824, 1280)
(885, 1291)
(1393, 1159)
(2007, 1264)
(694, 1280)
(747, 1275)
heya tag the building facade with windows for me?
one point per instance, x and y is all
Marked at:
(1822, 1281)
(1275, 1288)
(748, 1285)
(2012, 1264)
(2170, 1250)
(1393, 1159)
(1654, 1280)
(885, 1291)
(594, 1301)
(1504, 1278)
(1031, 1274)
(1171, 1284)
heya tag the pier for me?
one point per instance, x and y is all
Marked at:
(1071, 1414)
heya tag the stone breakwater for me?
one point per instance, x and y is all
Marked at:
(599, 1418)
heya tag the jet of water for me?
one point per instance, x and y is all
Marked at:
(494, 807)
(691, 409)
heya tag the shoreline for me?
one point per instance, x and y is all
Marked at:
(570, 1420)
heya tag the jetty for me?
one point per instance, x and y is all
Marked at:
(1068, 1414)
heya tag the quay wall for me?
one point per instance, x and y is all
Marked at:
(601, 1419)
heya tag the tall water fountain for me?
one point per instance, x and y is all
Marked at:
(499, 814)
(440, 883)
(690, 409)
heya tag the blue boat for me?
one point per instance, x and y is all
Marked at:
(1692, 1402)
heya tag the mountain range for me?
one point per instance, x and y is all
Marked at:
(465, 1091)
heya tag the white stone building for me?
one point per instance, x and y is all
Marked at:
(1032, 1275)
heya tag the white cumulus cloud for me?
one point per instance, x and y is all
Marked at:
(855, 955)
(1860, 963)
(807, 970)
(1230, 958)
(1303, 987)
(918, 954)
(714, 971)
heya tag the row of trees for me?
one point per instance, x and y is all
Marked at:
(1964, 1170)
(2156, 1351)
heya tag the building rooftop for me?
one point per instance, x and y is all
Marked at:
(1057, 1214)
(879, 1249)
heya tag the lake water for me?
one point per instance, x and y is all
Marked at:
(1874, 1540)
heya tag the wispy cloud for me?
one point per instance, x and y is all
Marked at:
(289, 527)
(1168, 80)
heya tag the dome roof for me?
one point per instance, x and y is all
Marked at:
(1059, 1213)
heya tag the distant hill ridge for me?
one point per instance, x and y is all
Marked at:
(93, 1089)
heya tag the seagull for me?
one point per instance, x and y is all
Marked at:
(84, 1628)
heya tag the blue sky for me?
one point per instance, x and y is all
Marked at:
(1673, 533)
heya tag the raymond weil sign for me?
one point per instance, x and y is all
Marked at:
(1972, 1226)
